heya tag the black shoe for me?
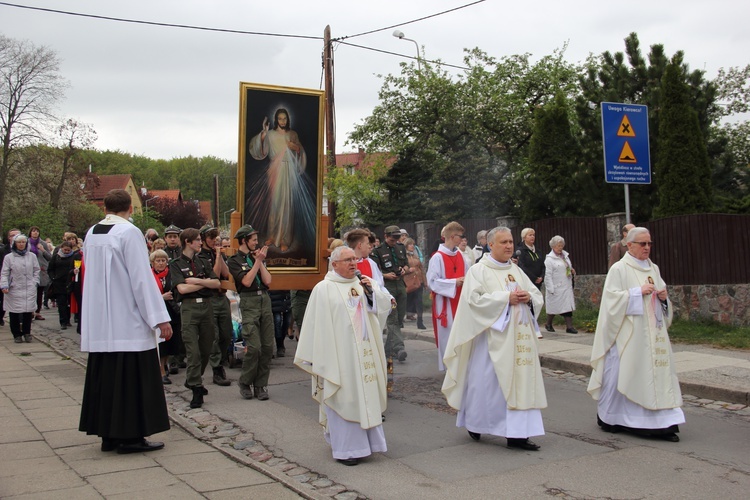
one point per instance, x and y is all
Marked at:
(401, 356)
(261, 393)
(549, 328)
(474, 435)
(203, 389)
(166, 380)
(197, 400)
(141, 447)
(571, 330)
(280, 353)
(63, 327)
(670, 437)
(421, 326)
(220, 377)
(524, 444)
(245, 391)
(18, 340)
(349, 462)
(173, 370)
(401, 325)
(383, 418)
(182, 364)
(69, 325)
(27, 338)
(109, 444)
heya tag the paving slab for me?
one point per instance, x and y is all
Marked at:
(80, 493)
(101, 463)
(25, 466)
(69, 437)
(233, 476)
(22, 450)
(272, 491)
(55, 402)
(132, 481)
(37, 483)
(194, 462)
(177, 491)
(18, 434)
(65, 422)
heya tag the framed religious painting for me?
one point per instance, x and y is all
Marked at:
(280, 172)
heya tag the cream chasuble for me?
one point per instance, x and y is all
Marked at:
(511, 335)
(637, 324)
(340, 345)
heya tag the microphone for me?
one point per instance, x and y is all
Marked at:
(368, 288)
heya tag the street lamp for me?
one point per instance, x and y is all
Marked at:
(225, 215)
(400, 35)
(150, 199)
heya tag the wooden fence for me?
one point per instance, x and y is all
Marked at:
(689, 249)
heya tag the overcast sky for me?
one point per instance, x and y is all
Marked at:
(169, 92)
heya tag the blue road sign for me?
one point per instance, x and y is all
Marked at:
(626, 149)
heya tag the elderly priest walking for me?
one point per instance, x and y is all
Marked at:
(634, 378)
(341, 346)
(492, 371)
(123, 397)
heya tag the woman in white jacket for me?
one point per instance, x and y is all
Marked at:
(558, 283)
(18, 281)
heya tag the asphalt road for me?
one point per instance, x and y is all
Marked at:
(428, 457)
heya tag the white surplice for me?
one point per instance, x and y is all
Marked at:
(341, 347)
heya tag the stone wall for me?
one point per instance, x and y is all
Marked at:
(728, 304)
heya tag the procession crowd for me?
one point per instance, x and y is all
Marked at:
(486, 304)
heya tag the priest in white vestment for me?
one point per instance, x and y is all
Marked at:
(341, 346)
(634, 378)
(445, 277)
(492, 371)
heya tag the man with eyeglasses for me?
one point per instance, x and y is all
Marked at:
(445, 277)
(634, 378)
(340, 345)
(619, 249)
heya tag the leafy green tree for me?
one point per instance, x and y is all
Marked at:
(683, 171)
(464, 133)
(51, 221)
(630, 77)
(550, 185)
(358, 193)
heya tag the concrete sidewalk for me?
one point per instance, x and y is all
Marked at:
(722, 375)
(43, 455)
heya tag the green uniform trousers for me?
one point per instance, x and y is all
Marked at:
(395, 340)
(299, 304)
(198, 336)
(223, 328)
(258, 333)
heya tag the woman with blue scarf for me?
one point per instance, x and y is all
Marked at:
(18, 282)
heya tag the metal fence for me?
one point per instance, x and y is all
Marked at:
(689, 249)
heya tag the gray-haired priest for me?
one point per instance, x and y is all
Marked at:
(634, 378)
(492, 371)
(341, 346)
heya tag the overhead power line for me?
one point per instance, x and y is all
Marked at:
(154, 23)
(402, 55)
(412, 21)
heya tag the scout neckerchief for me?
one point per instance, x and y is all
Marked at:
(251, 263)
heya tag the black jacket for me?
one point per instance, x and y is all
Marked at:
(531, 263)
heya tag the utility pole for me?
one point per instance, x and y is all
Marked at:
(215, 220)
(330, 123)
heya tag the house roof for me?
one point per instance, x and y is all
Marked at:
(204, 207)
(172, 194)
(99, 185)
(361, 160)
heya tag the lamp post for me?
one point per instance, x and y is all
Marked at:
(150, 199)
(225, 215)
(400, 35)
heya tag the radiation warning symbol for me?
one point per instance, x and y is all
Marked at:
(626, 129)
(626, 155)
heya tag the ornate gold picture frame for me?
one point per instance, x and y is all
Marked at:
(280, 172)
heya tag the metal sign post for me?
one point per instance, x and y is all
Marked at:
(627, 158)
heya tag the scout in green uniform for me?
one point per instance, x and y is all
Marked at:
(195, 282)
(393, 263)
(172, 238)
(220, 304)
(252, 280)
